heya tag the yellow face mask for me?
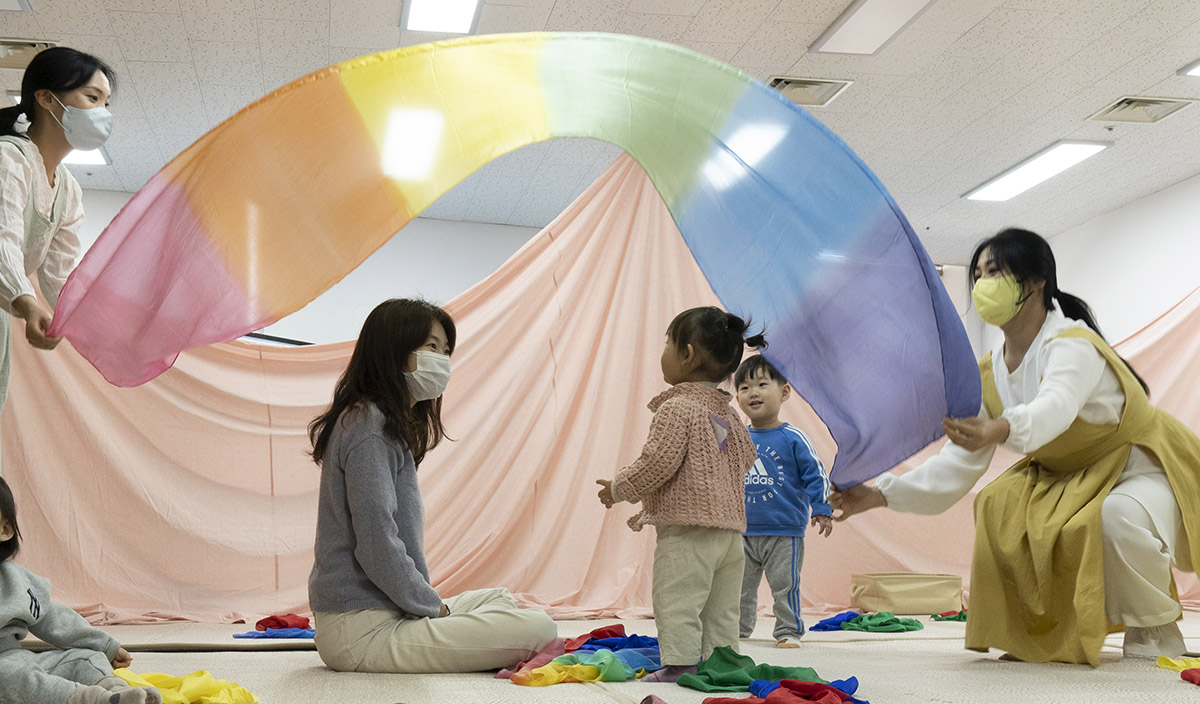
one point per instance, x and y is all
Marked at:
(998, 299)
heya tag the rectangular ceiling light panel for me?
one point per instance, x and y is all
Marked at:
(867, 26)
(1041, 166)
(445, 16)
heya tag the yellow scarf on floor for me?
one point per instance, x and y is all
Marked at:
(196, 688)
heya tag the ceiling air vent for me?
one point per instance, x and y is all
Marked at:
(810, 92)
(1135, 109)
(17, 53)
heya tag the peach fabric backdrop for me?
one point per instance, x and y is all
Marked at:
(192, 497)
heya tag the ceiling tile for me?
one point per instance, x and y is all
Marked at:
(301, 10)
(293, 43)
(585, 16)
(1088, 21)
(666, 7)
(408, 38)
(366, 23)
(135, 154)
(221, 102)
(172, 143)
(220, 20)
(729, 20)
(573, 151)
(170, 95)
(822, 12)
(148, 36)
(495, 199)
(71, 17)
(777, 44)
(1177, 87)
(1188, 36)
(227, 63)
(994, 35)
(955, 17)
(1128, 40)
(20, 25)
(1187, 10)
(167, 6)
(523, 3)
(1033, 58)
(338, 54)
(279, 76)
(667, 28)
(721, 51)
(495, 19)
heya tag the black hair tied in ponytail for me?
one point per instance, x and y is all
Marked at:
(719, 337)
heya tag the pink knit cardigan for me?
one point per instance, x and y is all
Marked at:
(688, 474)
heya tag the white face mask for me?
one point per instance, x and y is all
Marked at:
(431, 377)
(85, 129)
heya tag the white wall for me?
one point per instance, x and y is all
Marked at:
(432, 259)
(1134, 263)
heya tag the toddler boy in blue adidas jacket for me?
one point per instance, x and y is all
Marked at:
(786, 485)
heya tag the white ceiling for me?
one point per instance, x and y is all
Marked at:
(966, 91)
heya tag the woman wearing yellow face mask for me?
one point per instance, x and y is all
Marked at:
(1082, 533)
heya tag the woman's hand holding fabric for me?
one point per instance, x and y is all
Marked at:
(976, 433)
(856, 500)
(37, 322)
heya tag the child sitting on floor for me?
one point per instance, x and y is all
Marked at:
(788, 483)
(689, 479)
(80, 670)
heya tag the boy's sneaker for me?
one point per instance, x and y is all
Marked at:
(787, 643)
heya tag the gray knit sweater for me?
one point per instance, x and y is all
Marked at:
(370, 548)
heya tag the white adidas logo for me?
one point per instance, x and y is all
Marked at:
(758, 474)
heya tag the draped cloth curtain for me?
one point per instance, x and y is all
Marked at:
(193, 497)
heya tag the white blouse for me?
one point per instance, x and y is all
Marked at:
(51, 254)
(1058, 381)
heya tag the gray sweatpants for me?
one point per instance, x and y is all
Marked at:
(781, 557)
(49, 677)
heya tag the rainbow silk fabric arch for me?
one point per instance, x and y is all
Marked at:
(278, 203)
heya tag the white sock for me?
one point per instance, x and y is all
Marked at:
(97, 694)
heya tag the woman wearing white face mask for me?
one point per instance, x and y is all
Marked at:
(1084, 531)
(374, 606)
(63, 97)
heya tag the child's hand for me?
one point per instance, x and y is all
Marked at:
(826, 523)
(605, 492)
(123, 659)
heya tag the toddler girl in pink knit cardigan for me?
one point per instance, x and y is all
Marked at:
(690, 480)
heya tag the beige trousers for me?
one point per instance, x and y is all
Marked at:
(697, 591)
(1144, 538)
(484, 631)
